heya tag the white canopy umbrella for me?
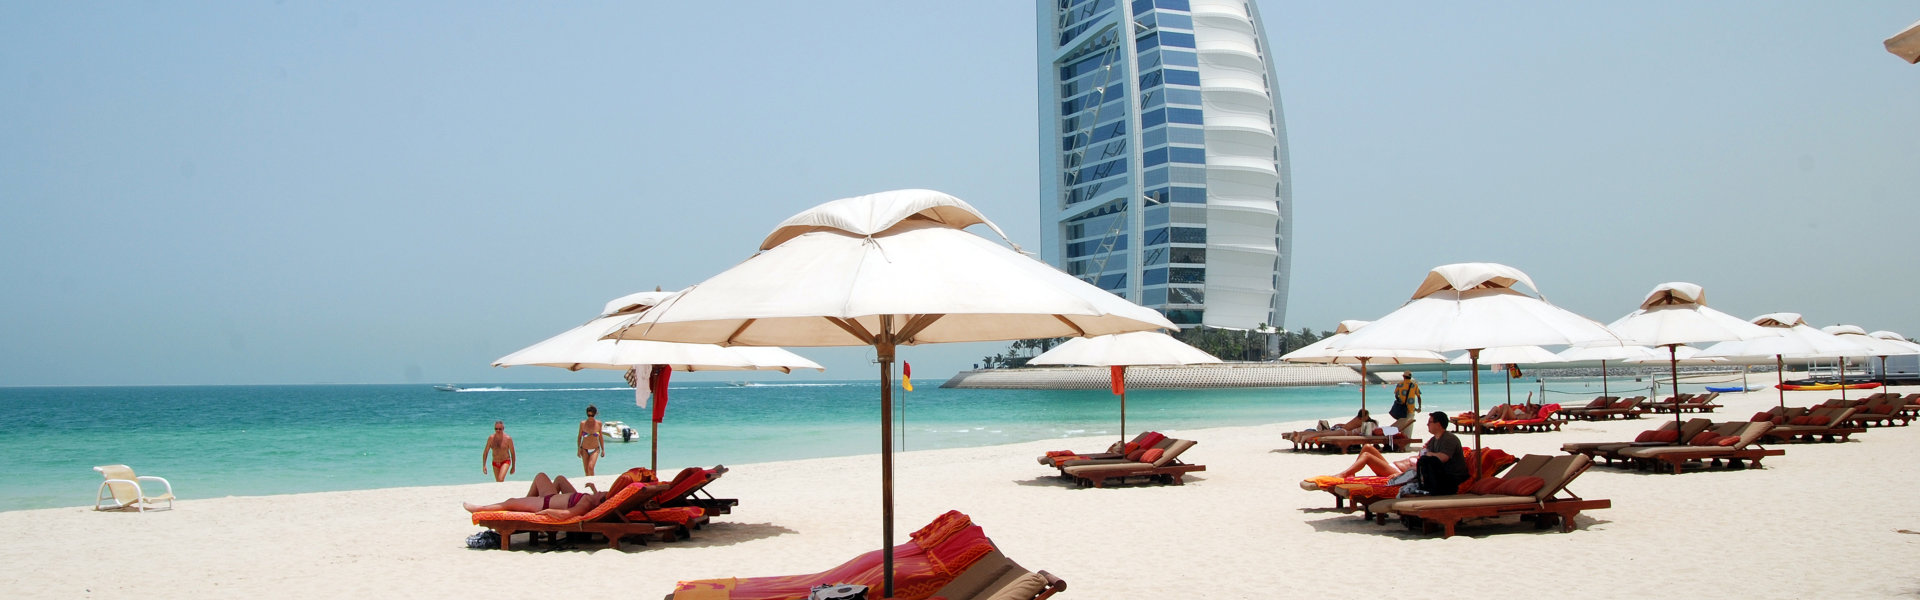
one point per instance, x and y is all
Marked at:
(1321, 352)
(1604, 354)
(1120, 350)
(1897, 340)
(1796, 339)
(582, 348)
(1906, 44)
(1472, 307)
(1676, 313)
(884, 270)
(1511, 355)
(1873, 347)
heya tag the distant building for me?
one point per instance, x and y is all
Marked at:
(1163, 157)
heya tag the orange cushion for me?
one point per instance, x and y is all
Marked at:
(1645, 436)
(1135, 455)
(1487, 485)
(1779, 419)
(1706, 438)
(1802, 420)
(1761, 416)
(1666, 437)
(1727, 440)
(1520, 486)
(1152, 455)
(1130, 447)
(1818, 420)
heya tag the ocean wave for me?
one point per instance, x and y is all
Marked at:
(758, 384)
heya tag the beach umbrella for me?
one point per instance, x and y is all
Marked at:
(1897, 340)
(1511, 356)
(1121, 350)
(1906, 44)
(886, 270)
(1795, 339)
(1675, 314)
(1321, 352)
(1873, 346)
(1472, 307)
(1604, 354)
(582, 348)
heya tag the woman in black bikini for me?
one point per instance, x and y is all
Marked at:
(592, 446)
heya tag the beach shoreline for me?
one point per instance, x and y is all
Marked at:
(1241, 529)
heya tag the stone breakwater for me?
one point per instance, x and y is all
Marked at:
(1225, 375)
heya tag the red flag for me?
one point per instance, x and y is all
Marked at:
(657, 381)
(1119, 379)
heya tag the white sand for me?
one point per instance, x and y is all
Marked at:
(1824, 520)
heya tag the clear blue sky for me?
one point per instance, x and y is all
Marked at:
(402, 192)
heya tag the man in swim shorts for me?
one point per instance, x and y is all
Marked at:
(500, 446)
(592, 445)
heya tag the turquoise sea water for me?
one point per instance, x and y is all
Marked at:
(212, 441)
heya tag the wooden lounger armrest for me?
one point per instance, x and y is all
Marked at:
(1055, 584)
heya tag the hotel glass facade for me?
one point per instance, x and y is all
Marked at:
(1163, 157)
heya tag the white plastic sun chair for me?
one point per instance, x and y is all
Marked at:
(122, 487)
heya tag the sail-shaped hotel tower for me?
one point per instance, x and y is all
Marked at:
(1163, 157)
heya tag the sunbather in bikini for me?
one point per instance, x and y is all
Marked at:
(1371, 458)
(562, 505)
(1354, 427)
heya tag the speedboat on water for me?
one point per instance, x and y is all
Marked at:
(447, 388)
(615, 431)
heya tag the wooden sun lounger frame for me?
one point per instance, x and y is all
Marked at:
(613, 525)
(1565, 508)
(1170, 471)
(692, 497)
(1836, 430)
(1736, 457)
(1629, 408)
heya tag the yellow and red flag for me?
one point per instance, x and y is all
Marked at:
(906, 376)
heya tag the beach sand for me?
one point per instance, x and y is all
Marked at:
(1832, 520)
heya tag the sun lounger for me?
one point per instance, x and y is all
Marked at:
(1134, 449)
(1817, 425)
(1580, 412)
(1359, 491)
(122, 490)
(950, 558)
(1506, 496)
(1166, 468)
(1541, 419)
(610, 519)
(1880, 411)
(1668, 405)
(1054, 458)
(1665, 435)
(1626, 409)
(1464, 422)
(1735, 443)
(691, 490)
(1387, 443)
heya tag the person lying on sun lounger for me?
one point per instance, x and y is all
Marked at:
(542, 486)
(1357, 426)
(557, 504)
(1370, 458)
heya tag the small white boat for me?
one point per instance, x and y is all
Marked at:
(615, 431)
(447, 388)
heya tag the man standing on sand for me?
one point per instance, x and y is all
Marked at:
(1406, 397)
(501, 447)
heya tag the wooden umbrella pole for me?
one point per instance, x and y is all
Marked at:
(1603, 378)
(1843, 379)
(1780, 377)
(1363, 383)
(1473, 356)
(883, 350)
(1673, 364)
(653, 464)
